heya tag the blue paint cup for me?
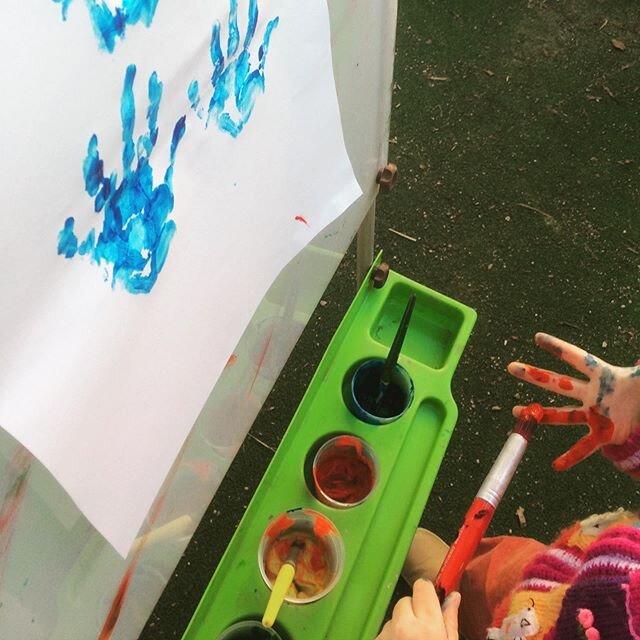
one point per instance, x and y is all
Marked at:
(374, 403)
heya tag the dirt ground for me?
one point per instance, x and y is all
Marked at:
(515, 129)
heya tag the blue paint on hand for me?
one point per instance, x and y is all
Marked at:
(233, 77)
(590, 361)
(607, 383)
(136, 232)
(109, 25)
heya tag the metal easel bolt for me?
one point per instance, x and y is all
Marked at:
(387, 177)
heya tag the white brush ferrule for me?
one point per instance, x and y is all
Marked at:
(503, 469)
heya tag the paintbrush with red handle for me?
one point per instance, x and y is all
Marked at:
(485, 503)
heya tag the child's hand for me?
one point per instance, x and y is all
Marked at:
(610, 398)
(420, 617)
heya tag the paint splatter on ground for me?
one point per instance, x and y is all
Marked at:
(235, 84)
(136, 232)
(108, 24)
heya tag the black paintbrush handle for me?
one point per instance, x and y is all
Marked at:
(394, 352)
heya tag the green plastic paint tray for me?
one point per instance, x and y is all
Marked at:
(378, 532)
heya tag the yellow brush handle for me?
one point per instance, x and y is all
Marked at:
(278, 593)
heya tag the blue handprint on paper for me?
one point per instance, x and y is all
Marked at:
(233, 77)
(136, 234)
(109, 25)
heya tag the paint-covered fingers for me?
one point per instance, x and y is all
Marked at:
(601, 431)
(549, 380)
(574, 356)
(558, 415)
(577, 453)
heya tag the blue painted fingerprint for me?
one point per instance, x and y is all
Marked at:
(109, 25)
(65, 7)
(136, 230)
(235, 82)
(590, 361)
(194, 94)
(194, 98)
(67, 240)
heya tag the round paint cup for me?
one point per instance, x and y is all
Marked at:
(367, 403)
(320, 561)
(249, 630)
(345, 471)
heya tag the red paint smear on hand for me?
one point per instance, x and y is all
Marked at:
(601, 431)
(301, 219)
(533, 411)
(560, 416)
(565, 383)
(538, 375)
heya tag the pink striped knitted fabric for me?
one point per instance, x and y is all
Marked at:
(608, 584)
(626, 456)
(544, 581)
(556, 566)
(593, 565)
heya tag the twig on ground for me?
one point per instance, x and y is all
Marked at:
(403, 235)
(610, 93)
(549, 219)
(264, 444)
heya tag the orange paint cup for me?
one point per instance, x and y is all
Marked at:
(319, 563)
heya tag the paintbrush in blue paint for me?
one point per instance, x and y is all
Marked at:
(394, 352)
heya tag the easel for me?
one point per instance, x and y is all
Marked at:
(59, 580)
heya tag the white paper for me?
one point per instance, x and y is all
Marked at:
(102, 384)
